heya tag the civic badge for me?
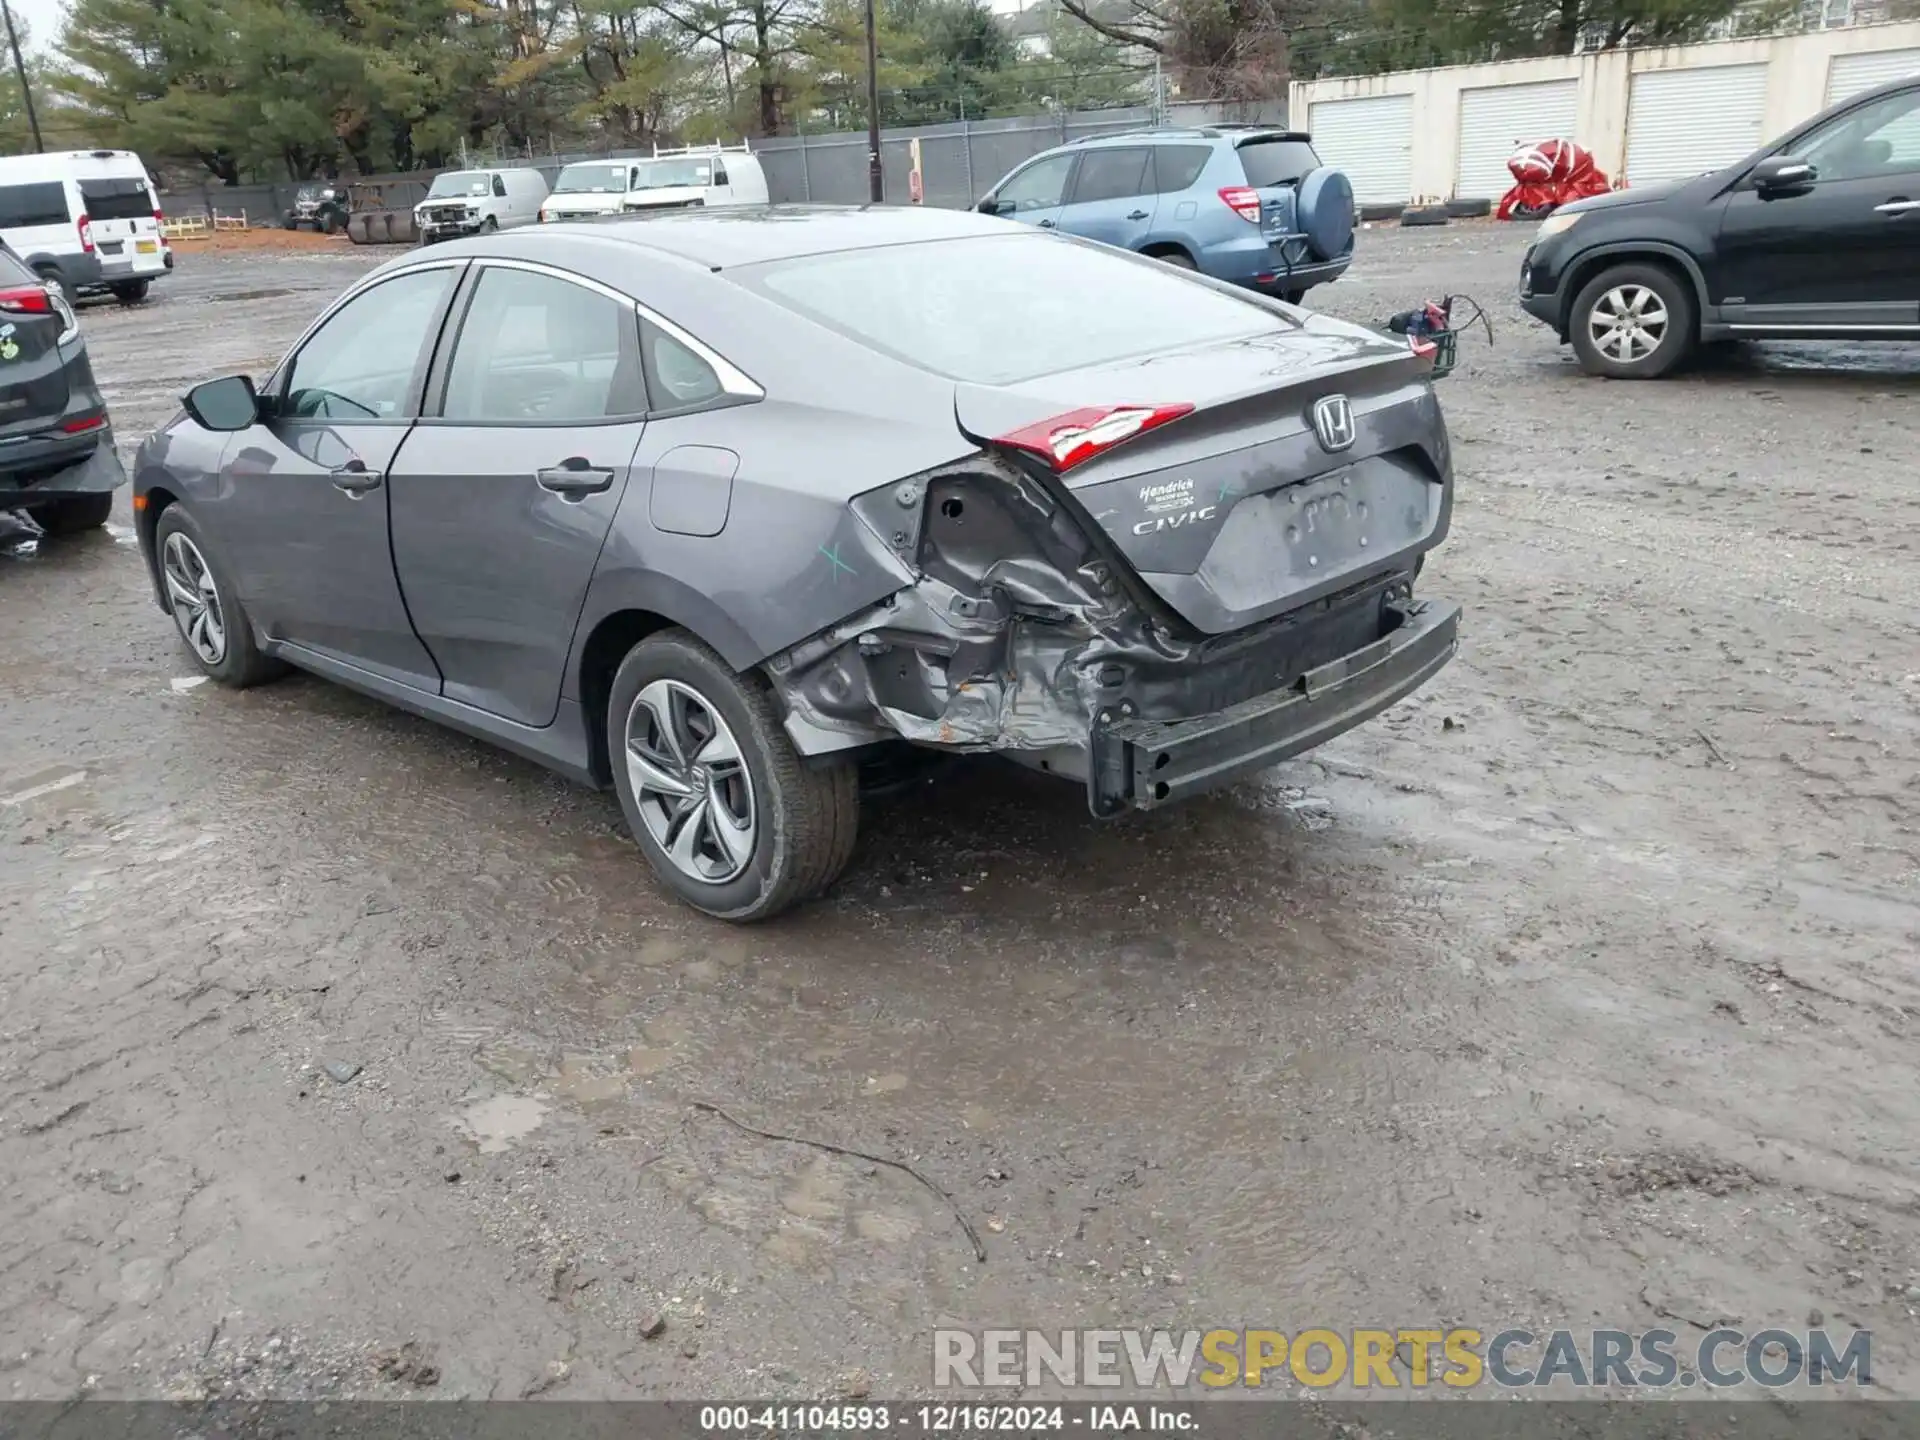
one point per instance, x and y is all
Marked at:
(1333, 422)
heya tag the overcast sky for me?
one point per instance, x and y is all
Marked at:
(41, 20)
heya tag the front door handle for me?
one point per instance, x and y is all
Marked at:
(574, 478)
(1899, 205)
(354, 478)
(1136, 214)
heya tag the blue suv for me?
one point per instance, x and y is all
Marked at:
(1248, 204)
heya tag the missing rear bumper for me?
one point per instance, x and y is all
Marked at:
(1142, 764)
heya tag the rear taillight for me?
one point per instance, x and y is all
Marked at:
(1243, 201)
(85, 226)
(1077, 436)
(83, 424)
(26, 300)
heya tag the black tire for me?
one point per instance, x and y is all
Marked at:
(1424, 215)
(1469, 209)
(489, 226)
(1178, 259)
(329, 222)
(131, 292)
(1374, 213)
(806, 816)
(74, 513)
(1677, 336)
(1294, 297)
(240, 663)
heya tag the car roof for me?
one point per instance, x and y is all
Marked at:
(725, 236)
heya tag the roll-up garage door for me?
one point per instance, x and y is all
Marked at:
(1370, 139)
(1498, 120)
(1848, 75)
(1682, 123)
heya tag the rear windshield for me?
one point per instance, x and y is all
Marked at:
(125, 199)
(1277, 162)
(13, 272)
(1003, 308)
(41, 204)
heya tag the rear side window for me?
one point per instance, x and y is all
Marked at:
(1110, 175)
(1277, 162)
(41, 204)
(1176, 167)
(126, 199)
(1004, 308)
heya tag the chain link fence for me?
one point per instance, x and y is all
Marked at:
(958, 160)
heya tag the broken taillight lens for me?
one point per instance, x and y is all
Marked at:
(1243, 200)
(1077, 436)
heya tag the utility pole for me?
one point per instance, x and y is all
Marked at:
(876, 187)
(20, 69)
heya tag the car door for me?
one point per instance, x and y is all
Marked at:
(302, 517)
(503, 494)
(1034, 194)
(1112, 197)
(1842, 250)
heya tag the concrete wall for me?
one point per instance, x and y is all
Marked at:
(1796, 90)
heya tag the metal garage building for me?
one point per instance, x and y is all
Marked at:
(1687, 122)
(1370, 139)
(1497, 120)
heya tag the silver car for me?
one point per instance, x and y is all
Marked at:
(713, 508)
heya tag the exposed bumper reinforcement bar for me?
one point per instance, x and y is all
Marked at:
(1143, 764)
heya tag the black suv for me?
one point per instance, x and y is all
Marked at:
(1815, 237)
(57, 460)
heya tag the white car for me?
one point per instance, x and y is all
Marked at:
(87, 220)
(468, 202)
(667, 180)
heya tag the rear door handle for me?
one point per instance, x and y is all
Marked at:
(1898, 206)
(354, 478)
(1136, 214)
(574, 478)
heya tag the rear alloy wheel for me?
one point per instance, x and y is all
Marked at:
(73, 514)
(1634, 322)
(726, 812)
(1179, 259)
(211, 619)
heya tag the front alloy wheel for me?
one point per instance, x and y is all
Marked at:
(693, 789)
(196, 599)
(1628, 323)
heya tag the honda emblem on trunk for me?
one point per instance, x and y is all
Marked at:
(1333, 422)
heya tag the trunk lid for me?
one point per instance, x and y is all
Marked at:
(33, 372)
(1239, 511)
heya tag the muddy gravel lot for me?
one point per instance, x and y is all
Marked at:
(342, 1055)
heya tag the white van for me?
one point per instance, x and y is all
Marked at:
(466, 202)
(88, 219)
(666, 180)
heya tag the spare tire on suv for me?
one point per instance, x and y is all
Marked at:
(1325, 212)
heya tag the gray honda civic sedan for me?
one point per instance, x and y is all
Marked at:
(714, 508)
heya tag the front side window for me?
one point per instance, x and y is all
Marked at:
(1111, 175)
(499, 186)
(1038, 187)
(535, 347)
(1878, 139)
(360, 363)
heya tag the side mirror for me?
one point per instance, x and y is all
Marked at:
(224, 405)
(989, 206)
(1783, 173)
